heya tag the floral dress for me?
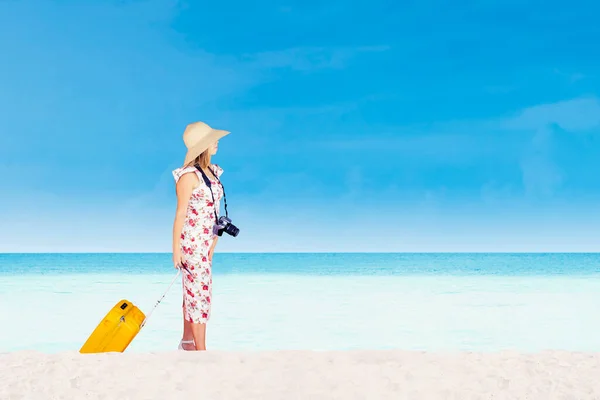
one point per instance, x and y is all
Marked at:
(196, 239)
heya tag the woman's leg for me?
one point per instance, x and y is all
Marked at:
(199, 334)
(195, 332)
(187, 334)
(197, 302)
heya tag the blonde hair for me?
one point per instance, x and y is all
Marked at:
(203, 159)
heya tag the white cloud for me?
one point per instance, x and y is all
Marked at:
(526, 139)
(578, 114)
(542, 174)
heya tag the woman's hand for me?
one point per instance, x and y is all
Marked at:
(177, 260)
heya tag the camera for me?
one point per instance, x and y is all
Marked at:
(224, 225)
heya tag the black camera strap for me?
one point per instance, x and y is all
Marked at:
(207, 182)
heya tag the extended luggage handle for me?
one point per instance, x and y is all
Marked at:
(161, 297)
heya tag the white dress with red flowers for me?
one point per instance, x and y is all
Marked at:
(196, 238)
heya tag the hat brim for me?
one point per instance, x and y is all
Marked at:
(201, 146)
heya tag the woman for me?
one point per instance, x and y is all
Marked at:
(194, 238)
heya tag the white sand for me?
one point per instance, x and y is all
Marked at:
(300, 375)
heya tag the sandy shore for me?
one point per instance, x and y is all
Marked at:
(301, 375)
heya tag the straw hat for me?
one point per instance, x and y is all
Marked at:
(198, 136)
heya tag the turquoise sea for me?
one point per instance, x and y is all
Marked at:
(432, 302)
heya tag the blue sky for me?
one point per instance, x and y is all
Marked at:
(382, 126)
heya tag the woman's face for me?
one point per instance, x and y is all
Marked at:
(213, 148)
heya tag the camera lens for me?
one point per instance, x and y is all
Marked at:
(232, 230)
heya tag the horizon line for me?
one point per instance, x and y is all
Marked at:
(306, 252)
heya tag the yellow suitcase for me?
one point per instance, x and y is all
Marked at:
(119, 327)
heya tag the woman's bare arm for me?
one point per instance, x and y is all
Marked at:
(186, 184)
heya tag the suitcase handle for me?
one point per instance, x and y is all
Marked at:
(159, 300)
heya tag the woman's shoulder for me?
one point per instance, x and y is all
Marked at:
(179, 172)
(217, 170)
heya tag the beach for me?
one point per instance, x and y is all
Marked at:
(346, 326)
(384, 374)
